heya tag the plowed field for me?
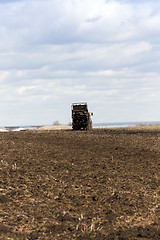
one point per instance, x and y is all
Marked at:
(100, 184)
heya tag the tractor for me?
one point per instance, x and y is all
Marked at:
(81, 117)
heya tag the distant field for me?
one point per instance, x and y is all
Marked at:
(100, 184)
(59, 127)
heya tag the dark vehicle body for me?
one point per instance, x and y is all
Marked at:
(81, 118)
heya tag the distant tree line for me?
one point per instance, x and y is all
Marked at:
(57, 123)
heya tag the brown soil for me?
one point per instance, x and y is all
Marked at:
(100, 184)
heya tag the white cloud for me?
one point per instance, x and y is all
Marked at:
(53, 53)
(25, 89)
(3, 75)
(51, 22)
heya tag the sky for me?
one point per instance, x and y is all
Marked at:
(56, 52)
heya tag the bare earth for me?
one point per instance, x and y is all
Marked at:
(100, 184)
(59, 127)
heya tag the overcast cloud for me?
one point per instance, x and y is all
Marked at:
(56, 52)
